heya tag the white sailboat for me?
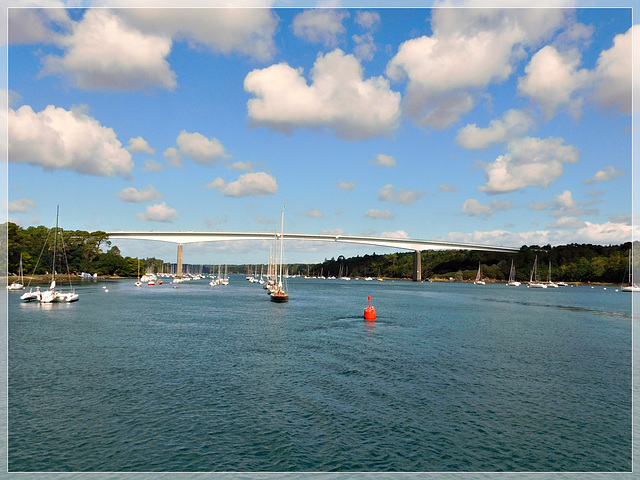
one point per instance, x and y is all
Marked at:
(138, 283)
(550, 284)
(630, 287)
(533, 280)
(18, 285)
(278, 294)
(512, 277)
(53, 295)
(478, 280)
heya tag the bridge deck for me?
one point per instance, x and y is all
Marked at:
(186, 237)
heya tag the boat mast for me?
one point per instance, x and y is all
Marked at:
(55, 246)
(281, 244)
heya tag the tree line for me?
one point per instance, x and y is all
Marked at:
(93, 252)
(569, 263)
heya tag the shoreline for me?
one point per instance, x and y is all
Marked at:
(45, 279)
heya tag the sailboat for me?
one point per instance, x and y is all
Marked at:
(550, 284)
(53, 295)
(512, 277)
(478, 280)
(630, 287)
(533, 280)
(278, 294)
(19, 285)
(138, 283)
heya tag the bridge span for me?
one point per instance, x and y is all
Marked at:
(186, 237)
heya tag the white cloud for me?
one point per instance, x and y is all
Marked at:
(323, 25)
(346, 185)
(608, 233)
(552, 79)
(367, 20)
(152, 165)
(103, 53)
(379, 214)
(565, 206)
(173, 157)
(385, 160)
(607, 173)
(396, 234)
(529, 162)
(258, 184)
(21, 205)
(615, 73)
(243, 166)
(200, 148)
(159, 212)
(246, 31)
(131, 194)
(388, 193)
(312, 213)
(33, 25)
(140, 145)
(447, 188)
(338, 98)
(469, 50)
(514, 123)
(365, 48)
(568, 222)
(474, 208)
(57, 138)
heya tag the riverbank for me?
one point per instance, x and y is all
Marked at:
(46, 279)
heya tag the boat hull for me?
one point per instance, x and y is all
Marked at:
(279, 297)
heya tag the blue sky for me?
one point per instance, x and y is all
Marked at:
(492, 126)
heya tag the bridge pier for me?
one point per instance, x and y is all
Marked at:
(417, 266)
(179, 266)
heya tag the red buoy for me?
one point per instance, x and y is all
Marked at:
(369, 312)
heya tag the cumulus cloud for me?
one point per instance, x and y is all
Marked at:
(513, 124)
(346, 185)
(552, 78)
(312, 213)
(338, 98)
(388, 193)
(474, 208)
(568, 222)
(608, 233)
(320, 25)
(396, 234)
(32, 25)
(447, 188)
(245, 31)
(379, 214)
(159, 212)
(385, 160)
(243, 166)
(132, 194)
(468, 50)
(367, 20)
(614, 77)
(56, 138)
(140, 145)
(152, 165)
(529, 162)
(565, 205)
(21, 205)
(197, 147)
(607, 173)
(257, 184)
(103, 53)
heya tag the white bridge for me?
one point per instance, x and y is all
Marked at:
(417, 246)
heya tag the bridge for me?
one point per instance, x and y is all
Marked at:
(186, 237)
